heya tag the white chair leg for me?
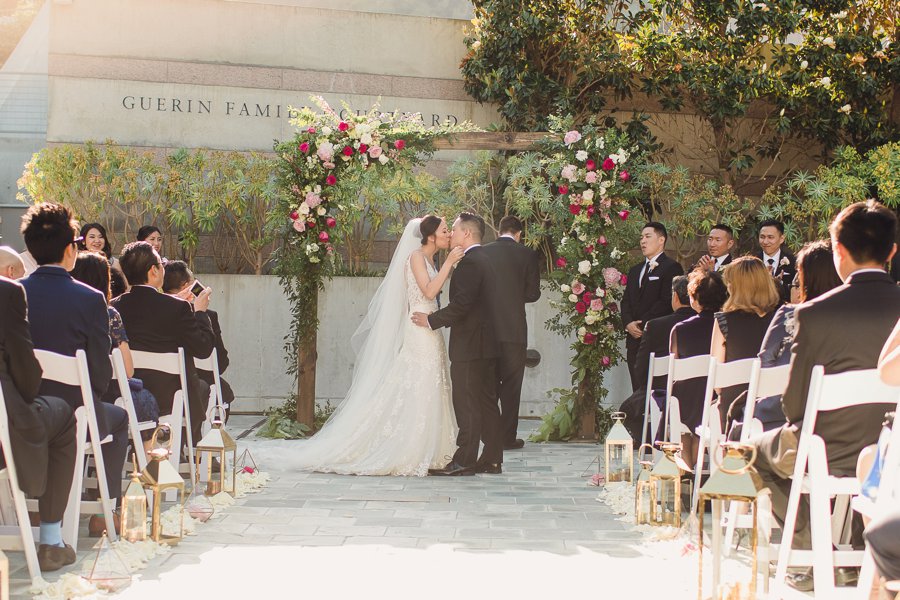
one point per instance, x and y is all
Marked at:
(787, 537)
(73, 512)
(819, 521)
(190, 440)
(34, 569)
(729, 527)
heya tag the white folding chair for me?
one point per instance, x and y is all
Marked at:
(721, 375)
(126, 401)
(826, 393)
(73, 370)
(172, 363)
(681, 369)
(771, 381)
(20, 536)
(211, 364)
(657, 368)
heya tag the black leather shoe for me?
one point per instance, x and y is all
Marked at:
(54, 558)
(452, 470)
(803, 581)
(490, 468)
(514, 445)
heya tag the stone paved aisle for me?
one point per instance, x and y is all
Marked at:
(534, 530)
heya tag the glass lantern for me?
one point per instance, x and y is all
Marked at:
(198, 506)
(619, 452)
(213, 450)
(665, 488)
(134, 510)
(106, 569)
(642, 494)
(159, 478)
(246, 463)
(735, 480)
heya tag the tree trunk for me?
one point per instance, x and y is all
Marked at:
(587, 413)
(306, 373)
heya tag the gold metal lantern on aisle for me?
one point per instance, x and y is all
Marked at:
(619, 451)
(159, 478)
(134, 509)
(642, 496)
(214, 450)
(665, 488)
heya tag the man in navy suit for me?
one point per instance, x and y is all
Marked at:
(65, 316)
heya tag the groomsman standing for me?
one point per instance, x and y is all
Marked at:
(648, 293)
(518, 282)
(776, 256)
(719, 244)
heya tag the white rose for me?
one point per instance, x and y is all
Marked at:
(383, 159)
(590, 319)
(366, 139)
(314, 258)
(600, 293)
(584, 267)
(303, 209)
(321, 211)
(573, 298)
(829, 41)
(327, 130)
(825, 81)
(588, 194)
(582, 331)
(804, 64)
(845, 109)
(581, 155)
(565, 289)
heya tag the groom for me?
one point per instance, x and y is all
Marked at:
(473, 353)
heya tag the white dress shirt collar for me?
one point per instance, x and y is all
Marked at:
(466, 251)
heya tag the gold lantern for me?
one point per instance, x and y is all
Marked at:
(735, 480)
(134, 509)
(642, 496)
(159, 478)
(665, 487)
(214, 448)
(619, 452)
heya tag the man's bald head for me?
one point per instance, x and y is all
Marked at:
(11, 265)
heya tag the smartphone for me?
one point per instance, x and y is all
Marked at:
(197, 288)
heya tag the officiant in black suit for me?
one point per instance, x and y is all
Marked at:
(648, 293)
(776, 256)
(473, 352)
(518, 282)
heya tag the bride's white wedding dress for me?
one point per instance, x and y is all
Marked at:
(397, 418)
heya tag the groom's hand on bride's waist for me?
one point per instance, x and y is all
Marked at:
(420, 319)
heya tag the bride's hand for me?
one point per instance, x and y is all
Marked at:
(454, 256)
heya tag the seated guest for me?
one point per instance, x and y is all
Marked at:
(745, 317)
(41, 428)
(776, 257)
(719, 244)
(93, 269)
(889, 361)
(656, 340)
(815, 276)
(842, 330)
(118, 285)
(153, 236)
(692, 337)
(65, 316)
(178, 282)
(11, 265)
(94, 239)
(157, 322)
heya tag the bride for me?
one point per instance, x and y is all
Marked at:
(397, 417)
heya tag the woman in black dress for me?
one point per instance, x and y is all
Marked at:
(740, 327)
(692, 337)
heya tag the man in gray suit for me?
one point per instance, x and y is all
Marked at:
(842, 330)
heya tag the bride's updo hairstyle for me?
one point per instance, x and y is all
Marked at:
(428, 227)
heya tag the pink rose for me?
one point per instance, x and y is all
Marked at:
(577, 288)
(623, 214)
(591, 177)
(563, 189)
(331, 222)
(602, 240)
(330, 180)
(590, 165)
(611, 276)
(568, 172)
(312, 200)
(590, 210)
(580, 308)
(575, 209)
(325, 151)
(248, 470)
(571, 137)
(561, 262)
(597, 304)
(323, 236)
(624, 176)
(347, 151)
(342, 126)
(299, 226)
(294, 215)
(608, 164)
(310, 130)
(589, 338)
(587, 298)
(400, 144)
(623, 280)
(328, 165)
(605, 361)
(310, 224)
(363, 148)
(590, 247)
(375, 151)
(304, 147)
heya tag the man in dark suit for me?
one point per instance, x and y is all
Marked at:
(719, 245)
(66, 316)
(473, 352)
(842, 330)
(647, 292)
(157, 322)
(776, 256)
(655, 339)
(41, 429)
(518, 282)
(178, 282)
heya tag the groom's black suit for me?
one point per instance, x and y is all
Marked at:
(473, 357)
